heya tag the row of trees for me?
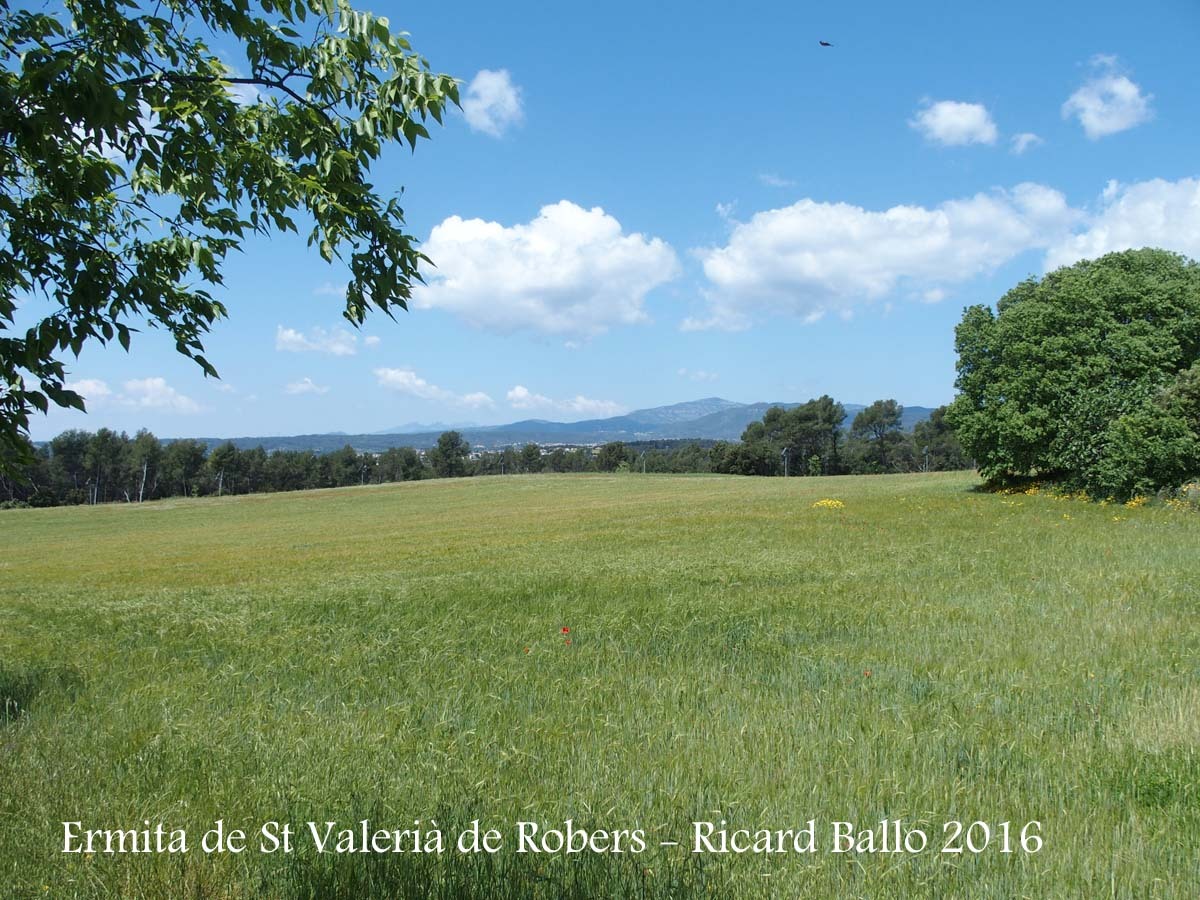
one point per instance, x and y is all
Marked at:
(84, 467)
(810, 439)
(105, 466)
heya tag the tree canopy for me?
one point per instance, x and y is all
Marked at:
(449, 456)
(812, 429)
(134, 158)
(878, 426)
(1089, 376)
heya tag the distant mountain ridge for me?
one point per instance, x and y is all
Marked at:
(712, 418)
(422, 427)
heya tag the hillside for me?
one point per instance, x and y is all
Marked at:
(710, 419)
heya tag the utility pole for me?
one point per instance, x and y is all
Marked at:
(786, 451)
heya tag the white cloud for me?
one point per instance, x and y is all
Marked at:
(406, 381)
(1108, 102)
(520, 397)
(492, 103)
(335, 342)
(139, 393)
(770, 179)
(1154, 213)
(155, 393)
(305, 386)
(955, 124)
(571, 272)
(93, 390)
(371, 340)
(725, 210)
(1024, 141)
(244, 94)
(697, 375)
(812, 258)
(476, 400)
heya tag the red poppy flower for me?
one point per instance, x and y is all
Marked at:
(568, 642)
(566, 630)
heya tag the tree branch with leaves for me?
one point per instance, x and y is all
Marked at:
(133, 159)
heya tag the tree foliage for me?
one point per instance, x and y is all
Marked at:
(133, 159)
(449, 456)
(812, 429)
(1087, 376)
(936, 445)
(878, 427)
(817, 442)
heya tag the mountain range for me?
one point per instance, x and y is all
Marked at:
(712, 418)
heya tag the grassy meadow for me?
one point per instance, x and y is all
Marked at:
(925, 653)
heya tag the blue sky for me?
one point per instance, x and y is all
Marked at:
(645, 204)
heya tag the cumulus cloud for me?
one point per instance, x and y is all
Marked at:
(407, 381)
(371, 341)
(1108, 102)
(1154, 213)
(335, 342)
(813, 258)
(155, 393)
(520, 397)
(139, 393)
(305, 386)
(492, 103)
(92, 390)
(955, 124)
(571, 272)
(1024, 141)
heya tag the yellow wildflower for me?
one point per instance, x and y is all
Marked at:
(828, 503)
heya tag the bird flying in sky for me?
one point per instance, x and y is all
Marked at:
(825, 43)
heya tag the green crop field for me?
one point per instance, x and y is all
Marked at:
(926, 653)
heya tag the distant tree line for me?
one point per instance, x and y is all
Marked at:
(811, 439)
(81, 467)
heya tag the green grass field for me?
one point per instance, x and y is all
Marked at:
(927, 653)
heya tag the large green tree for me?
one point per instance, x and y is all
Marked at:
(878, 428)
(1087, 376)
(141, 142)
(811, 433)
(448, 457)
